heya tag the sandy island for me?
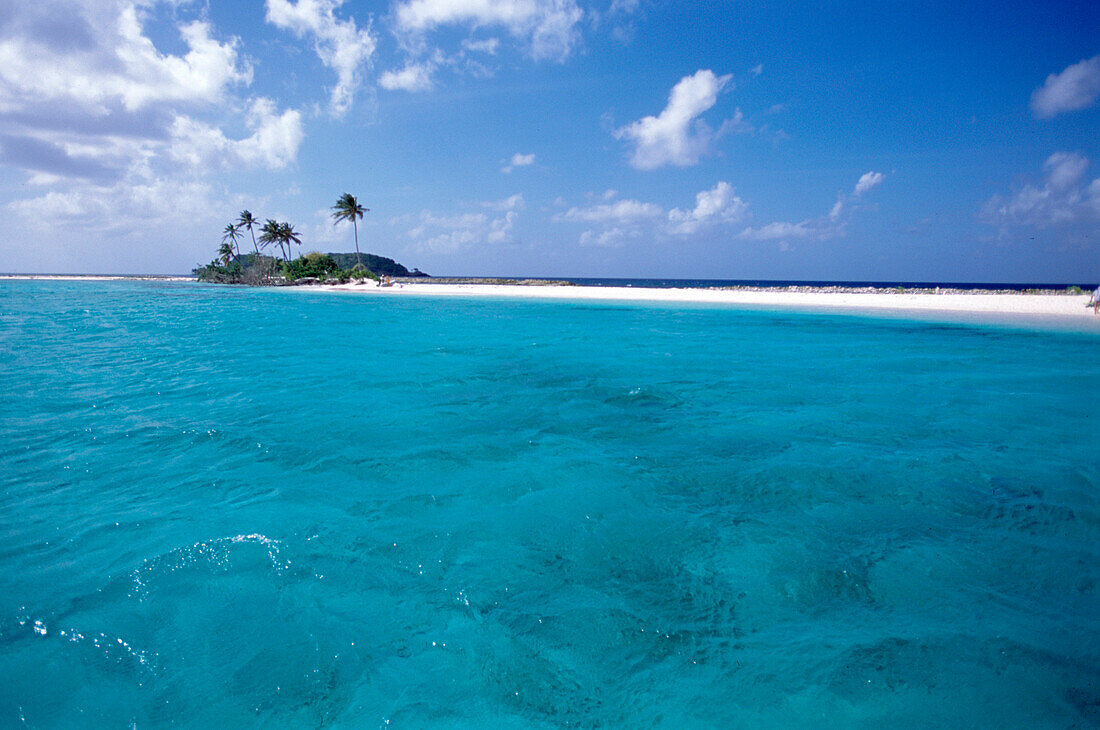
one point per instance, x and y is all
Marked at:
(1056, 309)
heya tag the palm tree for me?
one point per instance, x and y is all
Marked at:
(271, 233)
(347, 208)
(248, 221)
(225, 252)
(231, 235)
(288, 235)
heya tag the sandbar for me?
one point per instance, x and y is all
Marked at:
(1059, 310)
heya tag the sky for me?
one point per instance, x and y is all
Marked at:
(882, 141)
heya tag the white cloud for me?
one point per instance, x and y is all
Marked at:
(94, 101)
(1064, 169)
(613, 223)
(1075, 88)
(1092, 197)
(130, 225)
(867, 181)
(717, 205)
(339, 44)
(837, 210)
(1062, 200)
(830, 225)
(117, 132)
(623, 211)
(758, 69)
(676, 136)
(548, 27)
(124, 68)
(519, 160)
(777, 231)
(512, 202)
(607, 237)
(488, 45)
(132, 204)
(414, 77)
(273, 144)
(624, 6)
(451, 234)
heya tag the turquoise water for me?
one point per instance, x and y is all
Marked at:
(241, 508)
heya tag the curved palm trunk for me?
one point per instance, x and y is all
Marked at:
(254, 240)
(355, 228)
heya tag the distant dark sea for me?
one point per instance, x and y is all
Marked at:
(706, 283)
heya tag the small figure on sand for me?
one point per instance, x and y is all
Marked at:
(1094, 301)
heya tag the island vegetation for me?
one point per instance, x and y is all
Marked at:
(258, 268)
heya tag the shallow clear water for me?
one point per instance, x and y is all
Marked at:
(229, 508)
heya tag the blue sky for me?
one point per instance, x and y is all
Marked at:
(897, 140)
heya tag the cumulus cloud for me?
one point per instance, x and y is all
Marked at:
(121, 206)
(547, 27)
(830, 225)
(118, 132)
(444, 234)
(616, 221)
(52, 161)
(1073, 89)
(519, 160)
(512, 202)
(717, 205)
(676, 136)
(867, 181)
(124, 212)
(340, 44)
(119, 66)
(622, 211)
(487, 45)
(273, 144)
(1063, 199)
(414, 77)
(778, 231)
(1065, 169)
(92, 98)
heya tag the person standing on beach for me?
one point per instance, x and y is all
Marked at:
(1094, 301)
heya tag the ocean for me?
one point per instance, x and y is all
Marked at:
(229, 507)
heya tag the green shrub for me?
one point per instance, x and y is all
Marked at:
(313, 264)
(1074, 290)
(217, 273)
(360, 272)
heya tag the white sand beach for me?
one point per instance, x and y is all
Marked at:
(994, 307)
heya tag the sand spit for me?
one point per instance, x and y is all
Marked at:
(1049, 306)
